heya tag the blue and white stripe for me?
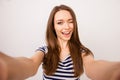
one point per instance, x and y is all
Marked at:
(64, 70)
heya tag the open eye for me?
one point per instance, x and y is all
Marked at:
(60, 22)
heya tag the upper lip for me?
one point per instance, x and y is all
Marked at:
(66, 32)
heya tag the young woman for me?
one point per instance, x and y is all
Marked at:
(64, 57)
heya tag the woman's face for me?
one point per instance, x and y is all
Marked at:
(63, 24)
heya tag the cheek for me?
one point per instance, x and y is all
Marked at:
(72, 26)
(57, 31)
(57, 28)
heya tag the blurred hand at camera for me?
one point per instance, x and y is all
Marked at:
(116, 72)
(3, 70)
(116, 75)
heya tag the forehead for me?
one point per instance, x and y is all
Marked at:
(62, 14)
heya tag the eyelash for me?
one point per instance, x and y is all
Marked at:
(71, 22)
(59, 22)
(62, 22)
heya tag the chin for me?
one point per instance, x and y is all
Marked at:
(66, 39)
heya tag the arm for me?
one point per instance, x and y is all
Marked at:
(19, 68)
(100, 69)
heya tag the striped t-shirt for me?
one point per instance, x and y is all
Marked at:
(64, 70)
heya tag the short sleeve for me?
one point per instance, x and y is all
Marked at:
(44, 49)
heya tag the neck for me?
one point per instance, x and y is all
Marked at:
(63, 44)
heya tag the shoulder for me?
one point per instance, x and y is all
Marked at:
(85, 52)
(87, 55)
(87, 59)
(44, 49)
(39, 54)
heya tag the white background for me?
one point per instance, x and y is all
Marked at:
(23, 26)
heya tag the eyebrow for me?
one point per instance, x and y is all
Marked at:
(62, 19)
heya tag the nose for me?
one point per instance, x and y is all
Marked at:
(66, 25)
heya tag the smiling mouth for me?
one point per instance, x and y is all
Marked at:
(66, 33)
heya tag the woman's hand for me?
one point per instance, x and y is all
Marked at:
(101, 69)
(19, 68)
(3, 70)
(116, 73)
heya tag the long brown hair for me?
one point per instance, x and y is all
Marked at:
(51, 59)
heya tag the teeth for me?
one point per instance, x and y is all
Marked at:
(65, 32)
